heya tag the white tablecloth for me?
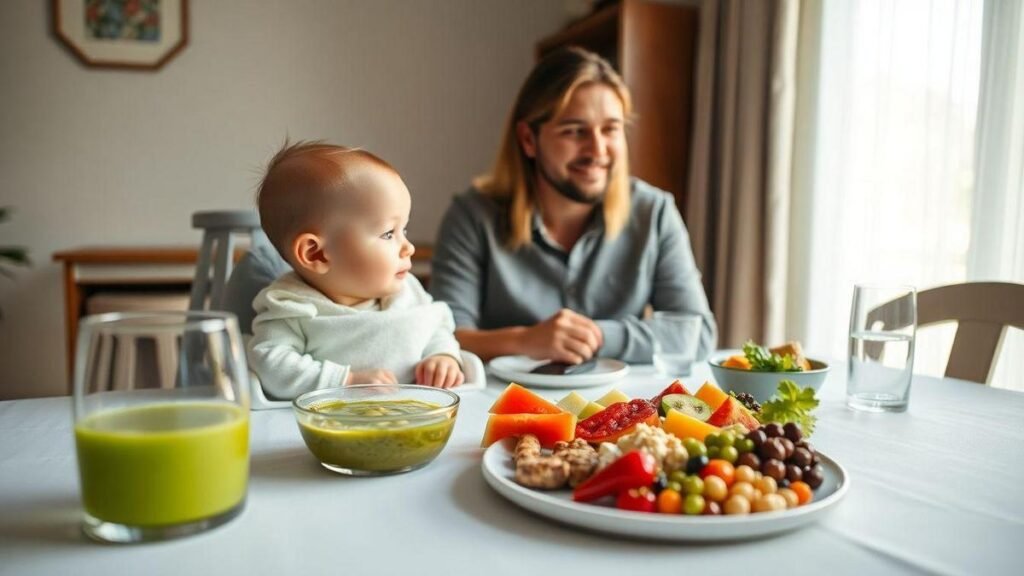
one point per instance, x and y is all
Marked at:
(938, 489)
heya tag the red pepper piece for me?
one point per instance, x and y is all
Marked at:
(633, 470)
(640, 499)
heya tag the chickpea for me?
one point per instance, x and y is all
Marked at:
(745, 474)
(791, 499)
(715, 489)
(743, 490)
(767, 485)
(737, 505)
(769, 503)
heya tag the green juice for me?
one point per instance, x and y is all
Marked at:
(163, 464)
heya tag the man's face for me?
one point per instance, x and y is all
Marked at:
(576, 150)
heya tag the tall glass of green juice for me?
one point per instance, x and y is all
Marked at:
(161, 407)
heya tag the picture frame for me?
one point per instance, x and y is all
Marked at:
(122, 34)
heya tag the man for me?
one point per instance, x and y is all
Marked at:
(557, 252)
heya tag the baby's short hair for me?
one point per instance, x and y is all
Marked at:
(294, 194)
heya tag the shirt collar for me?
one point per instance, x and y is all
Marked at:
(595, 227)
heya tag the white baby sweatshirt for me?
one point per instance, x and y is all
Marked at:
(303, 341)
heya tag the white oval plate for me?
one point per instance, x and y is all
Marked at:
(558, 505)
(517, 369)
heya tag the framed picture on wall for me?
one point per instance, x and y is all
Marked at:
(132, 34)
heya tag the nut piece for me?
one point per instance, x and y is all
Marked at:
(546, 472)
(536, 471)
(581, 457)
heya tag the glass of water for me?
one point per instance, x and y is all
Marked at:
(676, 338)
(883, 321)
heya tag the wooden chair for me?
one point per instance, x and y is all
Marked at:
(982, 310)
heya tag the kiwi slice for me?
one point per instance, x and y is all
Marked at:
(689, 405)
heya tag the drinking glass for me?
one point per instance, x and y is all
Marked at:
(161, 418)
(883, 321)
(676, 338)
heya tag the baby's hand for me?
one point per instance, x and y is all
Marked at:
(441, 371)
(371, 377)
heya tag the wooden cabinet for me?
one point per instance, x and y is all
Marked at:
(653, 45)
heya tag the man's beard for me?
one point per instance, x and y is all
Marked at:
(570, 190)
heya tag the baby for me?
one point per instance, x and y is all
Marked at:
(350, 312)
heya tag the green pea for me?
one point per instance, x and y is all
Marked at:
(678, 477)
(745, 445)
(711, 440)
(693, 505)
(693, 485)
(713, 452)
(674, 486)
(726, 438)
(695, 447)
(730, 454)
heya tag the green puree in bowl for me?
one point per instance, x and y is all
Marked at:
(392, 438)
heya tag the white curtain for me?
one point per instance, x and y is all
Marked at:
(885, 160)
(997, 231)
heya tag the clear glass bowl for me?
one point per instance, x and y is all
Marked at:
(372, 429)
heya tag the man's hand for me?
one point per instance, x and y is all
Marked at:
(377, 376)
(440, 371)
(565, 337)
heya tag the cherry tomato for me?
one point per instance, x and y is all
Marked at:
(721, 468)
(803, 492)
(670, 502)
(617, 420)
(637, 499)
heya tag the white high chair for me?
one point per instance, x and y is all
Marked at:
(215, 266)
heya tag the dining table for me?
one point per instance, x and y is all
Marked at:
(937, 489)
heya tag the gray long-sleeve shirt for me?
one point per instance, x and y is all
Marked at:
(489, 286)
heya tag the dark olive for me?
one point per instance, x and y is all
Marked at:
(784, 483)
(793, 432)
(814, 477)
(794, 473)
(712, 508)
(749, 459)
(787, 445)
(774, 468)
(772, 448)
(695, 464)
(802, 457)
(773, 430)
(757, 437)
(660, 482)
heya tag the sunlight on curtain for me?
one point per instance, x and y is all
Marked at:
(893, 159)
(997, 233)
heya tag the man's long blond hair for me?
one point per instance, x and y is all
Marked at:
(545, 94)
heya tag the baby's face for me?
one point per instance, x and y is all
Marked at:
(370, 254)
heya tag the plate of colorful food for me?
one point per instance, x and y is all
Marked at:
(677, 467)
(530, 372)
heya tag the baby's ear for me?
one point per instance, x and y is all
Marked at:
(308, 251)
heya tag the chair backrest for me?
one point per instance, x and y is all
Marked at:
(216, 254)
(982, 310)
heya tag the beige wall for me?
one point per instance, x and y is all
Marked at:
(93, 157)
